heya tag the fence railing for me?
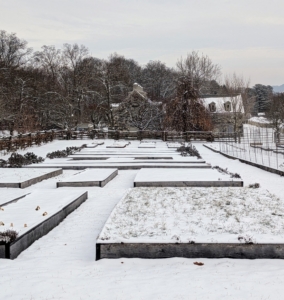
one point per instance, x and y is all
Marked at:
(23, 141)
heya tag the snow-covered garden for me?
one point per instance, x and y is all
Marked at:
(62, 264)
(202, 215)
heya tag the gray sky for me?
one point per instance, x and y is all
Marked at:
(246, 37)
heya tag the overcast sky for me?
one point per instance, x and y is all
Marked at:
(246, 37)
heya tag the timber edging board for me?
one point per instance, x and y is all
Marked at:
(12, 250)
(130, 167)
(189, 250)
(265, 168)
(32, 181)
(217, 183)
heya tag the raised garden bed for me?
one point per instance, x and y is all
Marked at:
(184, 178)
(124, 166)
(24, 177)
(194, 222)
(11, 195)
(95, 177)
(118, 145)
(174, 145)
(53, 206)
(147, 145)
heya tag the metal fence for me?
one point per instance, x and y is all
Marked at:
(257, 145)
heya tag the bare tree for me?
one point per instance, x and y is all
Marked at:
(199, 68)
(231, 109)
(110, 85)
(158, 81)
(186, 111)
(13, 51)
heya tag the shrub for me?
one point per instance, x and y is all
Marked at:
(190, 150)
(17, 160)
(8, 236)
(64, 153)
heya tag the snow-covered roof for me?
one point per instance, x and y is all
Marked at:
(224, 104)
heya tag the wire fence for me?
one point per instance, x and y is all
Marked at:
(258, 145)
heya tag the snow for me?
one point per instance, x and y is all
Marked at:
(61, 265)
(9, 194)
(90, 175)
(174, 145)
(175, 175)
(24, 211)
(259, 119)
(147, 145)
(15, 175)
(219, 102)
(202, 215)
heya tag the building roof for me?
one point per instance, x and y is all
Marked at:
(236, 104)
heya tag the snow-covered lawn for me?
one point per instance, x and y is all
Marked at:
(212, 215)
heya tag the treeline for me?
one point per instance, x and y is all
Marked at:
(63, 87)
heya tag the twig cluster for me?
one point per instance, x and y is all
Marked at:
(225, 171)
(189, 150)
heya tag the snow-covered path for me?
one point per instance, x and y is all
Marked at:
(62, 265)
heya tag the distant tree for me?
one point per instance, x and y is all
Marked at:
(110, 85)
(13, 51)
(263, 95)
(158, 81)
(275, 112)
(236, 94)
(199, 68)
(186, 112)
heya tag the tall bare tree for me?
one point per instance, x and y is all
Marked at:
(199, 68)
(186, 111)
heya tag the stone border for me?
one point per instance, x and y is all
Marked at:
(189, 250)
(100, 183)
(32, 181)
(265, 168)
(12, 250)
(217, 183)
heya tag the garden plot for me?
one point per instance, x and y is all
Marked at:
(81, 165)
(202, 221)
(184, 177)
(174, 145)
(37, 214)
(92, 145)
(147, 145)
(10, 195)
(118, 145)
(97, 177)
(153, 159)
(24, 177)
